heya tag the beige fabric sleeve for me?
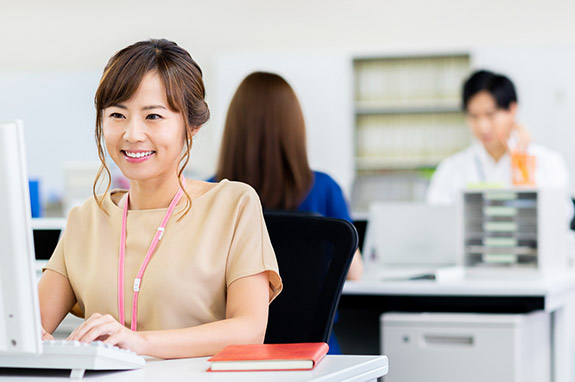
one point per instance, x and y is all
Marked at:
(57, 262)
(251, 251)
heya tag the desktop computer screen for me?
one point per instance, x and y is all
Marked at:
(46, 235)
(20, 326)
(21, 343)
(411, 234)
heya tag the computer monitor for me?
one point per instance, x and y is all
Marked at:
(20, 326)
(411, 234)
(47, 233)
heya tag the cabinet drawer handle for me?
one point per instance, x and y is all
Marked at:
(432, 339)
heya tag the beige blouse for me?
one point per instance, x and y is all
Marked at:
(221, 239)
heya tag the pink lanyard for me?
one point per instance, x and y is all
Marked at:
(138, 280)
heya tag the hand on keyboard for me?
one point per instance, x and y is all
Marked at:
(46, 336)
(105, 328)
(78, 357)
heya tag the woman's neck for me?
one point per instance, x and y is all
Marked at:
(146, 195)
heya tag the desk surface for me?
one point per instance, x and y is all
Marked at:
(502, 284)
(331, 368)
(467, 294)
(510, 293)
(548, 290)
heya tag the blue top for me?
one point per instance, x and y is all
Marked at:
(325, 198)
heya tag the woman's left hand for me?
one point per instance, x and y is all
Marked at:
(46, 336)
(105, 328)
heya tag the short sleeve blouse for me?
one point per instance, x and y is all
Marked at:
(221, 239)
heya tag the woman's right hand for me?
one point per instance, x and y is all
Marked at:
(107, 329)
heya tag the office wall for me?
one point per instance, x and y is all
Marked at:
(53, 53)
(57, 110)
(323, 84)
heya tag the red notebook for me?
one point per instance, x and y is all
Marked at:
(299, 356)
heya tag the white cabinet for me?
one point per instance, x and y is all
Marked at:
(455, 347)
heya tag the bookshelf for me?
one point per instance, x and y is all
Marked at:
(407, 119)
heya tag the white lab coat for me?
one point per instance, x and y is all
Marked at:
(475, 165)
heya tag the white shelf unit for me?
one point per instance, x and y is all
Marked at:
(513, 229)
(407, 119)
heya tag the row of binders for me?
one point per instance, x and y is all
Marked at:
(411, 81)
(408, 140)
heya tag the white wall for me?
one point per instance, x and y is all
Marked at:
(53, 51)
(58, 114)
(71, 34)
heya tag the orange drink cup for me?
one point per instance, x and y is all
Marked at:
(522, 169)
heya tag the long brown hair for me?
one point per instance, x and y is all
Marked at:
(264, 141)
(182, 78)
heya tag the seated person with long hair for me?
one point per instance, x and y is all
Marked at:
(264, 145)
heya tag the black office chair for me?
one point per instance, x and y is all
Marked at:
(361, 227)
(314, 254)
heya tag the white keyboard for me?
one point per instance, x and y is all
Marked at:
(76, 356)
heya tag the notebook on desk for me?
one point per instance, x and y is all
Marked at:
(406, 240)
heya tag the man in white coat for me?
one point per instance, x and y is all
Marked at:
(490, 103)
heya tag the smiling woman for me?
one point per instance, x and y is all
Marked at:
(165, 82)
(208, 282)
(145, 138)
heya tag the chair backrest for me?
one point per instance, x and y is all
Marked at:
(314, 254)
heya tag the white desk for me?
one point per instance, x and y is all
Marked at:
(332, 368)
(554, 294)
